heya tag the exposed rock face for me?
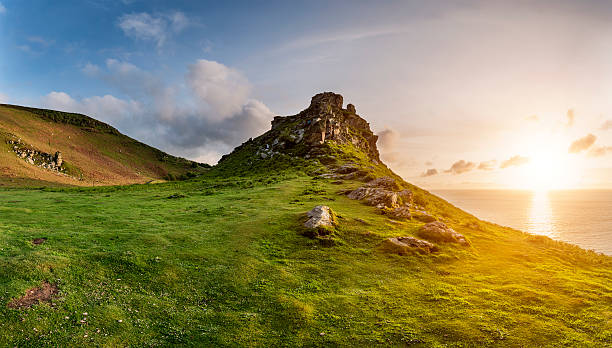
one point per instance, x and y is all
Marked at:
(320, 216)
(382, 193)
(407, 245)
(376, 196)
(438, 232)
(57, 158)
(324, 120)
(36, 157)
(423, 216)
(400, 213)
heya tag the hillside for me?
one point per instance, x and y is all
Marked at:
(226, 259)
(92, 152)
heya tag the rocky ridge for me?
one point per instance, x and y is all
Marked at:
(36, 157)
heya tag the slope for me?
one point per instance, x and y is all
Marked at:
(225, 259)
(92, 152)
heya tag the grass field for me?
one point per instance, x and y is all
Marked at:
(222, 261)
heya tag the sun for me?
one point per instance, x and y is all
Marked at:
(546, 171)
(549, 168)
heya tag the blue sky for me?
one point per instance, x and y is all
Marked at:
(441, 82)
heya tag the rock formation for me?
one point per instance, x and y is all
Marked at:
(320, 216)
(303, 134)
(437, 231)
(36, 157)
(407, 245)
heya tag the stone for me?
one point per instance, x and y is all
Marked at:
(376, 196)
(400, 213)
(57, 158)
(385, 182)
(351, 108)
(423, 216)
(406, 197)
(347, 168)
(438, 232)
(320, 216)
(408, 245)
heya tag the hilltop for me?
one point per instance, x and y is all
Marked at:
(90, 152)
(299, 237)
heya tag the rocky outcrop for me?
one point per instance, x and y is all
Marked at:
(305, 133)
(438, 232)
(407, 245)
(36, 157)
(320, 216)
(321, 224)
(382, 193)
(399, 213)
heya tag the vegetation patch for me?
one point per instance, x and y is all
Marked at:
(44, 293)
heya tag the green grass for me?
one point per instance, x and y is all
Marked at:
(221, 261)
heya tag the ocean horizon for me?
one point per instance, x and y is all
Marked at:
(580, 217)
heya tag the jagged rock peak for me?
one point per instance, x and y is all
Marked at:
(322, 121)
(325, 100)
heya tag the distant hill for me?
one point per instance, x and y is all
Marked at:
(90, 152)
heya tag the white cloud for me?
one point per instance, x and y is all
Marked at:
(40, 41)
(223, 90)
(4, 98)
(156, 28)
(2, 9)
(606, 125)
(90, 69)
(202, 119)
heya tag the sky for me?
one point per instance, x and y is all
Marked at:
(463, 94)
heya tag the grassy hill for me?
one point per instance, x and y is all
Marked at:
(225, 260)
(94, 153)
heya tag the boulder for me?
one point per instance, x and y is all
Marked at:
(351, 108)
(378, 197)
(399, 213)
(384, 182)
(423, 216)
(408, 245)
(406, 197)
(320, 216)
(438, 232)
(347, 168)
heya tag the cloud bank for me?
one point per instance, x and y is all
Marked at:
(514, 161)
(429, 172)
(202, 118)
(582, 144)
(600, 151)
(461, 167)
(487, 165)
(607, 125)
(157, 28)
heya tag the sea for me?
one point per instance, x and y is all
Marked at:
(581, 217)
